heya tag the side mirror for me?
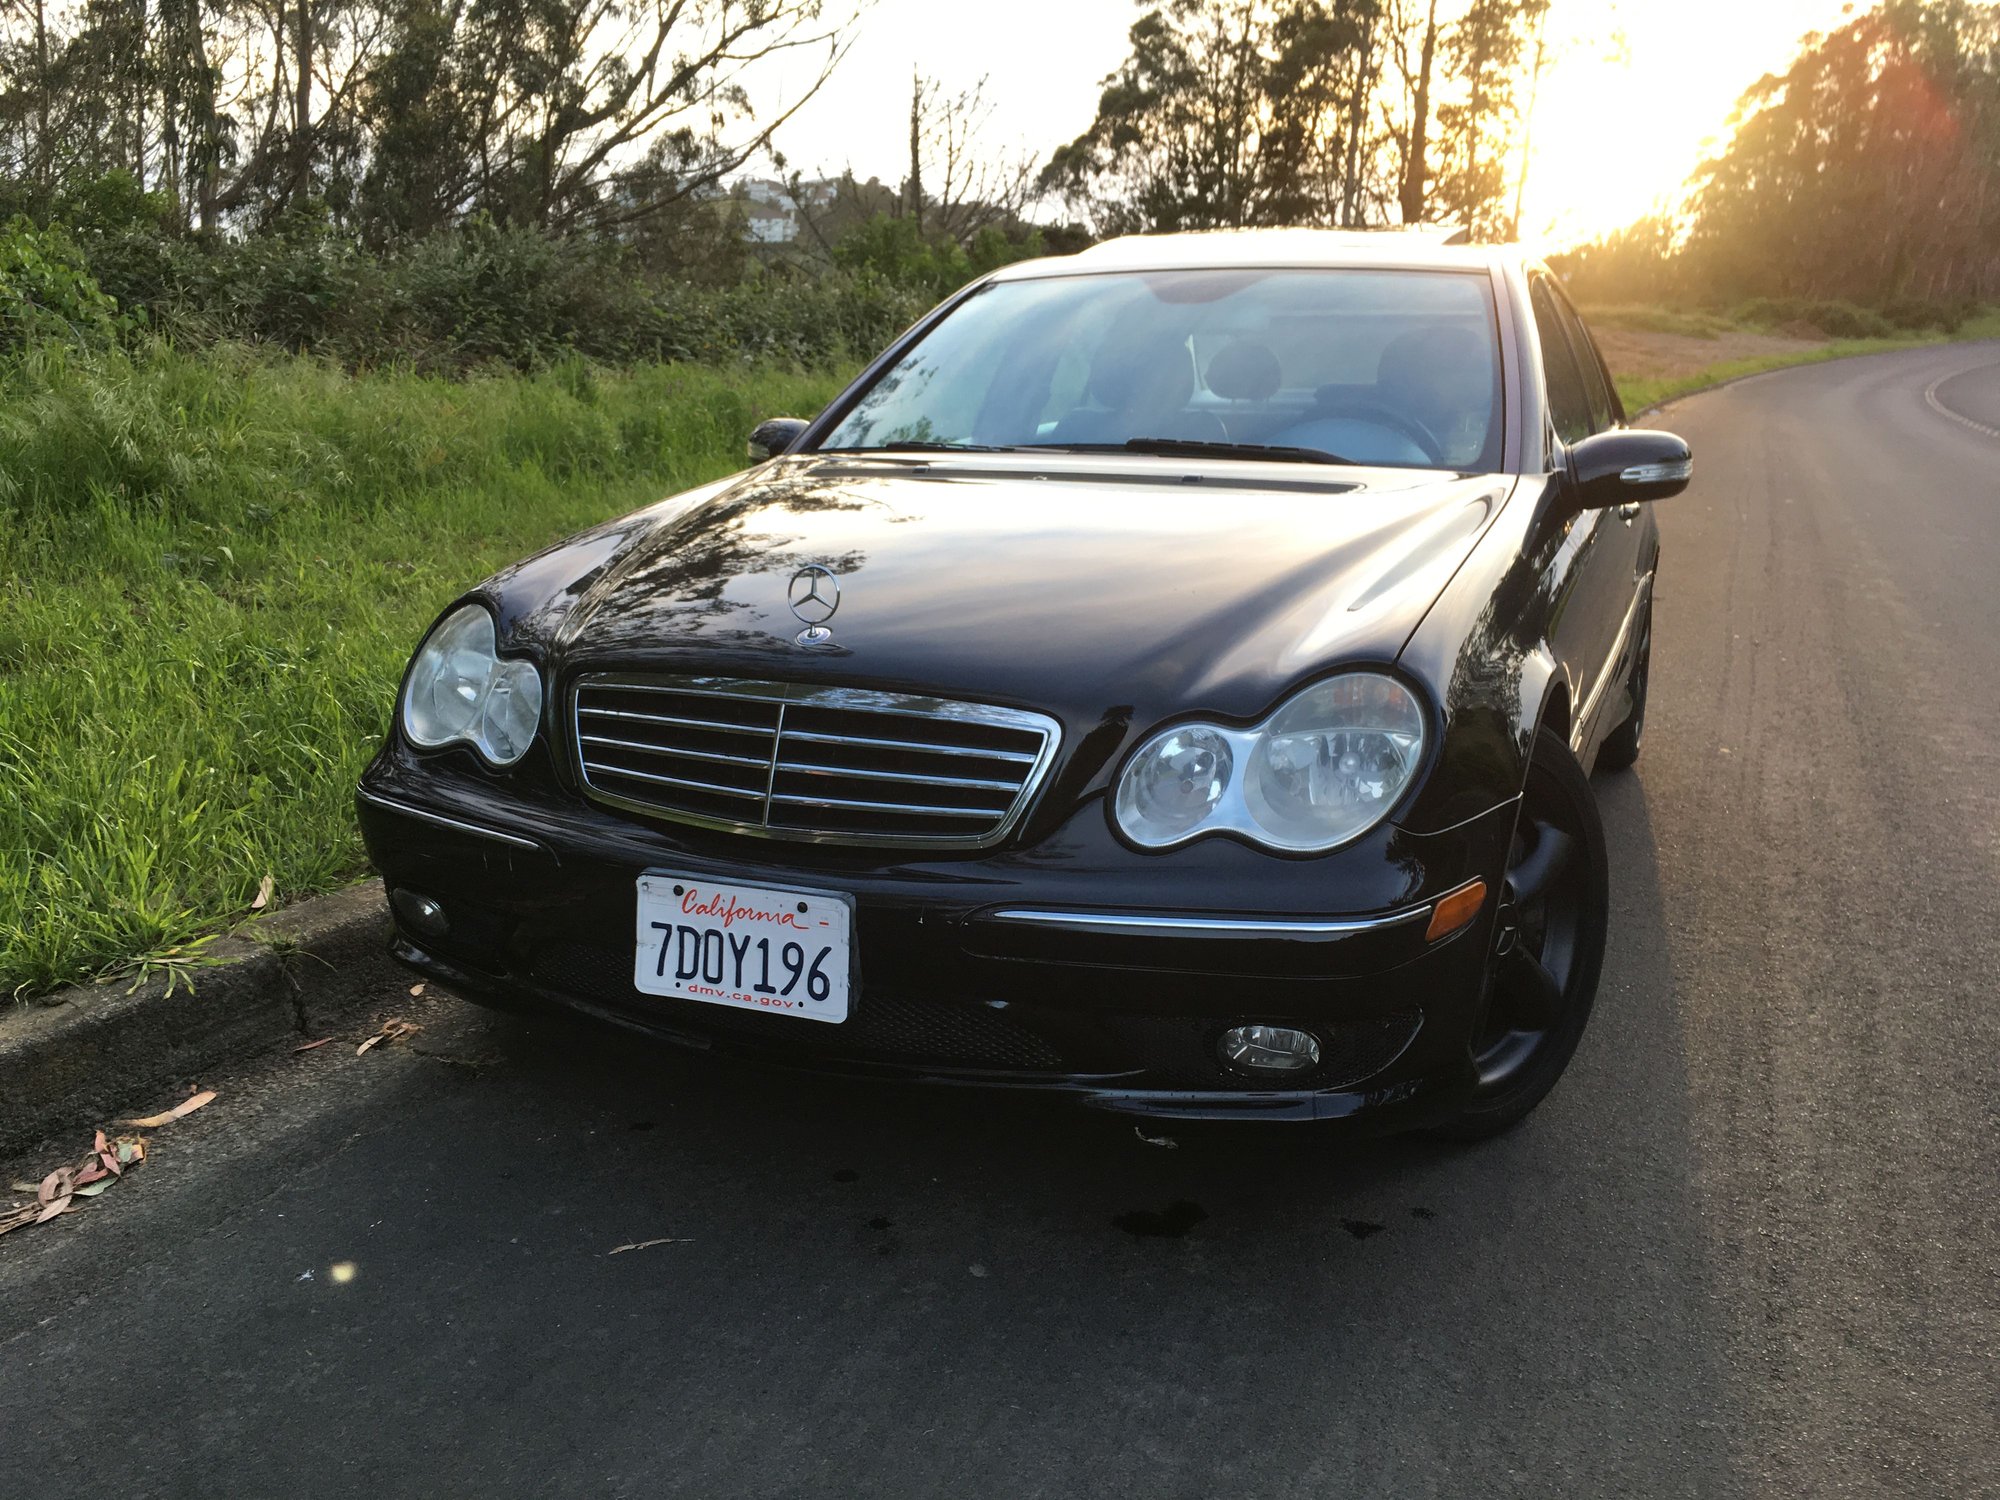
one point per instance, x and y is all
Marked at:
(1623, 468)
(775, 436)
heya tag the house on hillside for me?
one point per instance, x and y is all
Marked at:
(771, 214)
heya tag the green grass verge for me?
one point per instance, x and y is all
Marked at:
(212, 570)
(1638, 394)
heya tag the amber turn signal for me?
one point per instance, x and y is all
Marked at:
(1455, 910)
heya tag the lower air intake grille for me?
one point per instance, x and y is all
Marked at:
(830, 765)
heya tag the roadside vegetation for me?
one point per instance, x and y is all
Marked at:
(1658, 353)
(212, 569)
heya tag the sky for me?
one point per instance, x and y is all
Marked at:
(1634, 93)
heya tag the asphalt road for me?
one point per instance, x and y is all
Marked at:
(1748, 1247)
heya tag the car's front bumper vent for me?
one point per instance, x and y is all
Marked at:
(787, 760)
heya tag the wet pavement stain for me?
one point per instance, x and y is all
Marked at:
(1171, 1223)
(1362, 1228)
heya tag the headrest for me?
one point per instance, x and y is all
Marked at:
(1142, 374)
(1411, 357)
(1244, 371)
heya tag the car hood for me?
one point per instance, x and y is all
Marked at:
(1063, 582)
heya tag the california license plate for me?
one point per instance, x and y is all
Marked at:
(755, 947)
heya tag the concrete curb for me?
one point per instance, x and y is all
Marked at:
(78, 1056)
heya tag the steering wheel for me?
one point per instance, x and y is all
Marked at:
(1388, 416)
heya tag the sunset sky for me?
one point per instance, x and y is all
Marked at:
(1634, 90)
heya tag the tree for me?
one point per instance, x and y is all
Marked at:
(1228, 113)
(972, 186)
(399, 116)
(1869, 169)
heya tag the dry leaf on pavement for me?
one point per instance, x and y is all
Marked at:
(265, 887)
(187, 1106)
(416, 989)
(310, 1045)
(392, 1031)
(56, 1194)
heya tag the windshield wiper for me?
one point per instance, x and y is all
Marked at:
(923, 445)
(1165, 447)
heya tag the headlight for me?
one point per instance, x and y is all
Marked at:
(1323, 769)
(461, 691)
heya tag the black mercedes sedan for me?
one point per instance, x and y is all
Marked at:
(1167, 677)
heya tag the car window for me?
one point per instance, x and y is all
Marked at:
(1569, 406)
(1376, 367)
(1596, 390)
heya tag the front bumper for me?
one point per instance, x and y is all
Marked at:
(1000, 971)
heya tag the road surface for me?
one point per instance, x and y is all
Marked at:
(1748, 1247)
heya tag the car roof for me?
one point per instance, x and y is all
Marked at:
(1232, 249)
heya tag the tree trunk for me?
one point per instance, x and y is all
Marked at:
(1357, 118)
(302, 105)
(1415, 168)
(913, 189)
(1528, 124)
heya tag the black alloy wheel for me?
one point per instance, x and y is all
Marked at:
(1548, 945)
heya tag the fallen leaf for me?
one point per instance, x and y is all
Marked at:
(25, 1187)
(53, 1186)
(60, 1206)
(91, 1173)
(392, 1031)
(94, 1189)
(265, 887)
(310, 1045)
(645, 1245)
(131, 1148)
(416, 989)
(187, 1106)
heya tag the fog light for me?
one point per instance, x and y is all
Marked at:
(420, 912)
(1269, 1049)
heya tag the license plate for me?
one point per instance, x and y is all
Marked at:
(755, 947)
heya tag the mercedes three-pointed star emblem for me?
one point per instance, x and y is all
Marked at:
(814, 594)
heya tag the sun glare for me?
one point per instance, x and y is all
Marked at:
(1636, 92)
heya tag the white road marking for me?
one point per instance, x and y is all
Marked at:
(1931, 400)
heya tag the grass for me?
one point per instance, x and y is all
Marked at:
(212, 570)
(1649, 317)
(1639, 393)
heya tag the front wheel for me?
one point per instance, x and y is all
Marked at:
(1548, 945)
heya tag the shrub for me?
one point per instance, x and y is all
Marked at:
(1840, 320)
(47, 291)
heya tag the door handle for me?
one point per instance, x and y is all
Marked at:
(1629, 513)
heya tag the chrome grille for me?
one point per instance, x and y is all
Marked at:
(829, 765)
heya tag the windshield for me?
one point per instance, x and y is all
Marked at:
(1356, 366)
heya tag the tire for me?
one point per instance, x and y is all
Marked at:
(1621, 747)
(1548, 946)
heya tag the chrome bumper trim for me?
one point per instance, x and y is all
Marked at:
(390, 804)
(1289, 929)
